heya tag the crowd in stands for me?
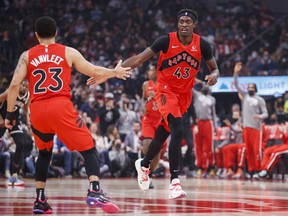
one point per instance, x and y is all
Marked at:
(106, 31)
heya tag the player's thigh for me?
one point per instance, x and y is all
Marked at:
(72, 130)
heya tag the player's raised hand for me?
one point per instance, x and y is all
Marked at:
(122, 72)
(237, 67)
(119, 71)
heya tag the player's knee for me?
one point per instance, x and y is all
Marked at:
(145, 144)
(45, 154)
(176, 126)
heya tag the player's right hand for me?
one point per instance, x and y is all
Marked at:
(122, 72)
(10, 120)
(237, 67)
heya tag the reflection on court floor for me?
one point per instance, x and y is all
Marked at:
(205, 197)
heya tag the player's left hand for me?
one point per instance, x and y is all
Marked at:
(211, 79)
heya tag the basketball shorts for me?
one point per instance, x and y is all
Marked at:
(58, 116)
(170, 102)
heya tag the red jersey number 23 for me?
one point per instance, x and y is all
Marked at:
(54, 73)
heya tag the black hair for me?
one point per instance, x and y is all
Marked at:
(188, 12)
(46, 27)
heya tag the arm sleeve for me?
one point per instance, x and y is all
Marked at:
(225, 141)
(263, 108)
(206, 49)
(160, 44)
(240, 91)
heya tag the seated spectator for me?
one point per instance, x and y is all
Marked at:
(61, 153)
(117, 157)
(90, 107)
(126, 119)
(273, 153)
(101, 145)
(132, 141)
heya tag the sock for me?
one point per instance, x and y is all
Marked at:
(174, 175)
(40, 194)
(94, 185)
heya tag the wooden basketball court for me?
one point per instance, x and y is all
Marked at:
(205, 197)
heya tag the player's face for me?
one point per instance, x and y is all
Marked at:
(152, 72)
(23, 88)
(185, 26)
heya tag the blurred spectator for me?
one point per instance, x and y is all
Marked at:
(108, 114)
(132, 141)
(286, 104)
(127, 118)
(90, 107)
(117, 157)
(254, 63)
(98, 138)
(267, 66)
(60, 154)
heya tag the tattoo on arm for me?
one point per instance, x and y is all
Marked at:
(21, 61)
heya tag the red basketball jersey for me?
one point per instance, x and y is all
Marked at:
(152, 111)
(273, 132)
(49, 74)
(178, 67)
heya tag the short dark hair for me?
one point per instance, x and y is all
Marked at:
(189, 12)
(46, 27)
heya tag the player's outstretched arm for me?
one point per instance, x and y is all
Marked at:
(100, 74)
(137, 60)
(132, 63)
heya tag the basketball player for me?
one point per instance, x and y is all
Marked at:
(254, 112)
(152, 116)
(179, 62)
(16, 132)
(48, 69)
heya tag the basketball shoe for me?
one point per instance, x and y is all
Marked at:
(142, 175)
(97, 199)
(41, 207)
(239, 174)
(175, 190)
(15, 181)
